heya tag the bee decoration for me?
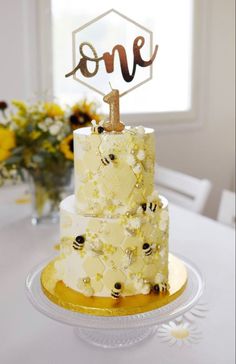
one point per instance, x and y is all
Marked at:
(116, 291)
(144, 206)
(151, 206)
(160, 287)
(107, 160)
(78, 243)
(148, 249)
(97, 128)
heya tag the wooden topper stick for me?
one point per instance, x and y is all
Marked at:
(114, 124)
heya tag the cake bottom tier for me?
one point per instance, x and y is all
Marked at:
(67, 298)
(109, 257)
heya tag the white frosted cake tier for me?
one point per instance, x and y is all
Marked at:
(114, 257)
(114, 172)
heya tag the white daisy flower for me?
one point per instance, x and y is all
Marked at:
(198, 311)
(42, 126)
(179, 333)
(48, 121)
(55, 128)
(141, 155)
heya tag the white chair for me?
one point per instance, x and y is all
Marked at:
(226, 212)
(181, 189)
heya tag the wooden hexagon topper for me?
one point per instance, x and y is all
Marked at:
(110, 62)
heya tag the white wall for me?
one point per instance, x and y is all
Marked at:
(19, 58)
(207, 152)
(12, 72)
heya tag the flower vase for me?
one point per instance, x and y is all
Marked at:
(47, 189)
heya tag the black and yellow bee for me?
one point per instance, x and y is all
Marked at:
(160, 287)
(152, 206)
(147, 249)
(78, 243)
(116, 291)
(97, 128)
(108, 160)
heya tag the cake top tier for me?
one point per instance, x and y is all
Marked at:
(114, 172)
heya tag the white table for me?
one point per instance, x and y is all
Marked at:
(28, 337)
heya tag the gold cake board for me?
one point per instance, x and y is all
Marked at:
(70, 299)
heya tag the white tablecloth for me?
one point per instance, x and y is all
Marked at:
(27, 337)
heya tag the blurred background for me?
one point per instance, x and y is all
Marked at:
(189, 101)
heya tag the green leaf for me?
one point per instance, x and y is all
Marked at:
(37, 158)
(17, 150)
(13, 159)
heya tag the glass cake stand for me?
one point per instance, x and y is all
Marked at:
(116, 331)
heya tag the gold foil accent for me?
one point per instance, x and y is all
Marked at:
(86, 280)
(106, 306)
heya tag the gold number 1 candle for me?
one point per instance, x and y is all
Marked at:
(113, 100)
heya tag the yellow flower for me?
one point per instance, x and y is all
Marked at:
(21, 106)
(35, 134)
(82, 114)
(66, 147)
(20, 121)
(48, 146)
(7, 142)
(53, 109)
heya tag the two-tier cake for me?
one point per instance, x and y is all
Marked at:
(114, 230)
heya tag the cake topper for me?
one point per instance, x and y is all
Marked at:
(88, 63)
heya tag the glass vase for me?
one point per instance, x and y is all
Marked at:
(47, 189)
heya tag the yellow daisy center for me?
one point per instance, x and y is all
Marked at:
(180, 333)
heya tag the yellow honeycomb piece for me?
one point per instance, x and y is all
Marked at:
(97, 285)
(119, 179)
(149, 271)
(92, 266)
(115, 234)
(113, 276)
(132, 242)
(137, 266)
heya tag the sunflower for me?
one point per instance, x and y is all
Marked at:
(79, 119)
(7, 142)
(53, 109)
(67, 147)
(83, 113)
(3, 105)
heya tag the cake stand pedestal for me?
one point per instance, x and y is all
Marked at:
(116, 331)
